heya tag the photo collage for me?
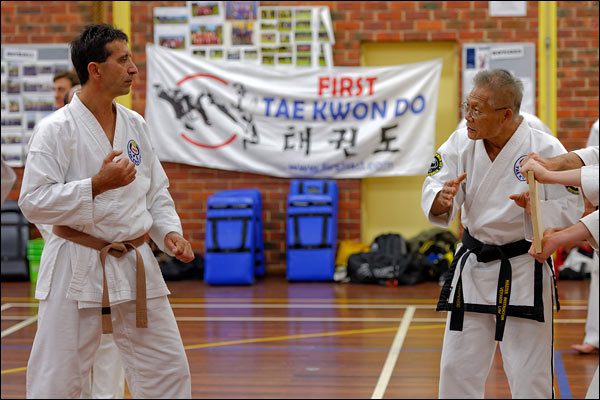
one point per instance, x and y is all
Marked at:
(244, 31)
(27, 97)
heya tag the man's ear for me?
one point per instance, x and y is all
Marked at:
(508, 114)
(94, 70)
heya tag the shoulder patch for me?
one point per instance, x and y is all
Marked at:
(572, 189)
(436, 165)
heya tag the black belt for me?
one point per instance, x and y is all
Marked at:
(487, 253)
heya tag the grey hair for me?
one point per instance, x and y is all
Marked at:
(504, 85)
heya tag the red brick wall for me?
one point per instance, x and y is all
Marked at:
(354, 22)
(577, 71)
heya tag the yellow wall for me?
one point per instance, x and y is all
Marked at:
(122, 20)
(394, 204)
(547, 63)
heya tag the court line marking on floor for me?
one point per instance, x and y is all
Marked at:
(18, 326)
(291, 306)
(15, 317)
(561, 376)
(13, 370)
(290, 337)
(331, 319)
(280, 338)
(308, 306)
(390, 362)
(286, 300)
(307, 336)
(292, 300)
(300, 319)
(27, 320)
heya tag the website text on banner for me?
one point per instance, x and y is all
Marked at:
(341, 122)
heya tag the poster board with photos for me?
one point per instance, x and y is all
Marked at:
(299, 36)
(27, 92)
(518, 58)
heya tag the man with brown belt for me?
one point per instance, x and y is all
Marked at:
(92, 173)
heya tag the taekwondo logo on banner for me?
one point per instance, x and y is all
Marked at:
(340, 122)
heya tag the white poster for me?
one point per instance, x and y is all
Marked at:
(508, 8)
(27, 93)
(172, 36)
(517, 58)
(171, 28)
(508, 52)
(340, 122)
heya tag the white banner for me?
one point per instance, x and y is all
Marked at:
(341, 122)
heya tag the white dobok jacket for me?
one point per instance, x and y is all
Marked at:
(487, 211)
(67, 149)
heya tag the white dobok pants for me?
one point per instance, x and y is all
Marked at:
(107, 378)
(68, 337)
(526, 349)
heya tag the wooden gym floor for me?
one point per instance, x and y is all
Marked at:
(276, 339)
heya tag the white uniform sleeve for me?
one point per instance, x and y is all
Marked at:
(589, 155)
(591, 223)
(589, 183)
(560, 207)
(445, 166)
(161, 205)
(45, 198)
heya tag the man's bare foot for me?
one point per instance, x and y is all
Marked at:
(585, 348)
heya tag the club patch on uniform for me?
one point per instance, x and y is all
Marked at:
(572, 189)
(133, 151)
(517, 169)
(436, 165)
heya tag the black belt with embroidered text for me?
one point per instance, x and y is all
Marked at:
(487, 253)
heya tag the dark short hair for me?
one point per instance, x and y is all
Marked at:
(90, 46)
(70, 75)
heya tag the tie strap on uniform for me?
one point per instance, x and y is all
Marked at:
(115, 249)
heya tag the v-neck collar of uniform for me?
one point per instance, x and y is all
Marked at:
(89, 120)
(502, 163)
(513, 143)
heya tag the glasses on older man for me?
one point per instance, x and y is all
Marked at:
(474, 111)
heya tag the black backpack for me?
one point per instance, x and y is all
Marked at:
(388, 263)
(390, 244)
(173, 269)
(433, 249)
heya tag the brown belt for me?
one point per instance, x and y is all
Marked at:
(116, 249)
